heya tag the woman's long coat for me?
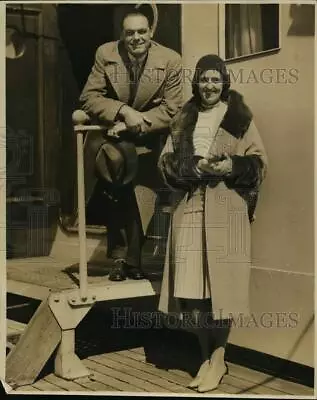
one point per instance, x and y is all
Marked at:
(229, 204)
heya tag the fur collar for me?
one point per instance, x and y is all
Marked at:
(236, 120)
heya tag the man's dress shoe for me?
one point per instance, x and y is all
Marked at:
(134, 272)
(117, 272)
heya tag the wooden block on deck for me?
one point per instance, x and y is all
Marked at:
(34, 348)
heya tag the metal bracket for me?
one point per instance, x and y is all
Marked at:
(68, 313)
(69, 309)
(74, 299)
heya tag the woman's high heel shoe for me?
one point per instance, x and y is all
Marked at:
(200, 375)
(216, 371)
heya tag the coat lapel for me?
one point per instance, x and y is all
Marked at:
(118, 74)
(235, 121)
(152, 78)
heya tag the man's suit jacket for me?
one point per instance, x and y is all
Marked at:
(158, 97)
(159, 94)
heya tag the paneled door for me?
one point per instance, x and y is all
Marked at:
(32, 128)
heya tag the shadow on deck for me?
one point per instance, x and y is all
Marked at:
(125, 357)
(123, 352)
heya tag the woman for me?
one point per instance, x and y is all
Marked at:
(215, 161)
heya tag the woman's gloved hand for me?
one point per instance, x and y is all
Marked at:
(218, 167)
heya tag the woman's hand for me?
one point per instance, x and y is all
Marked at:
(220, 167)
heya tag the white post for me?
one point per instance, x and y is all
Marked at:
(81, 218)
(80, 121)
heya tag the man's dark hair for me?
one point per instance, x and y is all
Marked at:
(145, 10)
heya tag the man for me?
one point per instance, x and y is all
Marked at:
(135, 88)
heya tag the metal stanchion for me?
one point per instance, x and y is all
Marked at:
(79, 118)
(80, 121)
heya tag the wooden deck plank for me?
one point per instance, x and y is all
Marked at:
(243, 386)
(122, 376)
(182, 379)
(109, 380)
(64, 384)
(121, 356)
(184, 374)
(151, 382)
(139, 350)
(47, 386)
(259, 381)
(163, 378)
(262, 379)
(228, 387)
(136, 356)
(181, 373)
(48, 267)
(93, 385)
(247, 386)
(95, 366)
(27, 388)
(225, 388)
(50, 273)
(119, 371)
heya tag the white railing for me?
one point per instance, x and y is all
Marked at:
(80, 122)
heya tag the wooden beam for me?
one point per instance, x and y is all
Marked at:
(36, 345)
(15, 327)
(14, 331)
(27, 289)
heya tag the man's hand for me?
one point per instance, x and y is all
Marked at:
(117, 129)
(135, 121)
(221, 167)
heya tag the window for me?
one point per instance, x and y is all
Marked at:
(248, 29)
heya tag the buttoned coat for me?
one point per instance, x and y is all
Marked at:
(229, 205)
(158, 96)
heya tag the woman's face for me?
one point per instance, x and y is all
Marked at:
(210, 87)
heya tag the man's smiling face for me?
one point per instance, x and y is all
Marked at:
(136, 34)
